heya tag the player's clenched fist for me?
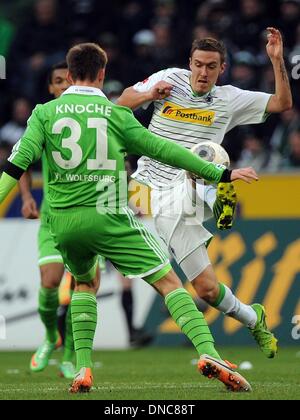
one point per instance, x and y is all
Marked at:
(161, 90)
(275, 45)
(29, 209)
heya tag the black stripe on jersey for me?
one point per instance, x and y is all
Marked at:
(187, 100)
(157, 104)
(182, 138)
(13, 170)
(219, 122)
(180, 82)
(157, 166)
(185, 82)
(191, 102)
(198, 101)
(187, 129)
(157, 177)
(173, 140)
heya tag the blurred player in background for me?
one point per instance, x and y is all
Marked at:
(58, 324)
(190, 108)
(85, 137)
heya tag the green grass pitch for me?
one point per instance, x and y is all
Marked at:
(154, 374)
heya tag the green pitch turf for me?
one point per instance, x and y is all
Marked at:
(154, 374)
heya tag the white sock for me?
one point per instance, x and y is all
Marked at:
(233, 307)
(207, 193)
(210, 196)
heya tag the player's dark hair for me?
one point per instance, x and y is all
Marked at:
(59, 66)
(209, 44)
(85, 61)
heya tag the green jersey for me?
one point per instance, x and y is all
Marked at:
(45, 172)
(85, 138)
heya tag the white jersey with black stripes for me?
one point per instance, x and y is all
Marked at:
(188, 119)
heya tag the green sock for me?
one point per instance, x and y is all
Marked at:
(48, 304)
(222, 292)
(191, 321)
(69, 340)
(84, 322)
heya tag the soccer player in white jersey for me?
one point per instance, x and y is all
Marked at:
(190, 108)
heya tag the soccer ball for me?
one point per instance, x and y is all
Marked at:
(212, 152)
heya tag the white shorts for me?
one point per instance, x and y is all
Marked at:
(179, 213)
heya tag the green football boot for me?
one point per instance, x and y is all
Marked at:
(40, 359)
(225, 204)
(263, 336)
(67, 370)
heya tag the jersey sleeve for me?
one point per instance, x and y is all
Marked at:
(151, 81)
(247, 107)
(7, 183)
(30, 147)
(140, 141)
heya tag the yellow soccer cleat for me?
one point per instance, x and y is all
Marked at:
(262, 335)
(224, 206)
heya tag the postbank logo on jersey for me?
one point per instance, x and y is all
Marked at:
(190, 115)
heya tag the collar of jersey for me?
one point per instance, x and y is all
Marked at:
(205, 95)
(84, 90)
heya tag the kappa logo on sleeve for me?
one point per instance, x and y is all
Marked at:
(189, 115)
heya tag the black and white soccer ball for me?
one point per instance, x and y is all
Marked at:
(212, 152)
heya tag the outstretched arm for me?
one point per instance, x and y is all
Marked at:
(282, 99)
(133, 99)
(140, 141)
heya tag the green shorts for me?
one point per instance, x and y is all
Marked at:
(47, 251)
(81, 233)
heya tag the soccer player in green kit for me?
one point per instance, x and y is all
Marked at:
(50, 260)
(85, 138)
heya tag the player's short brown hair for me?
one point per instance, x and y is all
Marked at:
(59, 66)
(210, 44)
(85, 61)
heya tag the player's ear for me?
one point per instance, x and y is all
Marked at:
(101, 75)
(190, 63)
(223, 68)
(51, 90)
(69, 78)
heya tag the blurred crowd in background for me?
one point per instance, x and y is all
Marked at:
(142, 37)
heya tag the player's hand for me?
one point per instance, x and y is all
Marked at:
(245, 174)
(275, 44)
(29, 209)
(161, 90)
